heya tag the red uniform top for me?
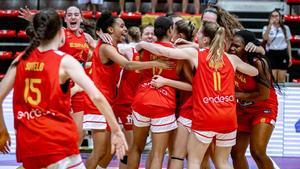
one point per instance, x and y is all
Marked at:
(186, 107)
(105, 77)
(146, 73)
(149, 99)
(129, 83)
(42, 109)
(245, 83)
(214, 105)
(75, 46)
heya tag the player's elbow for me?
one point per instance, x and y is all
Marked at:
(97, 98)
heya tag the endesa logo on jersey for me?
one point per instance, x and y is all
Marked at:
(161, 90)
(218, 99)
(33, 114)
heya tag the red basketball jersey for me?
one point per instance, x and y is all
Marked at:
(75, 46)
(214, 105)
(105, 77)
(245, 83)
(186, 104)
(149, 99)
(129, 83)
(42, 109)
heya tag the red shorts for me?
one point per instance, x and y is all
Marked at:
(78, 102)
(54, 161)
(41, 161)
(123, 114)
(249, 116)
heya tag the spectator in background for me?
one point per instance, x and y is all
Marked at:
(137, 5)
(91, 5)
(278, 47)
(170, 6)
(169, 3)
(196, 5)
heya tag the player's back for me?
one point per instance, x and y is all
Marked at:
(42, 107)
(214, 105)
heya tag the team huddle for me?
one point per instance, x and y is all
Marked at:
(200, 94)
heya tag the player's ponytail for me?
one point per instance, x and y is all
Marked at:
(216, 34)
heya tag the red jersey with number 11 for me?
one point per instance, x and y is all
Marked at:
(214, 104)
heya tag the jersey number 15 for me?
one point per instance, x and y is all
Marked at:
(29, 87)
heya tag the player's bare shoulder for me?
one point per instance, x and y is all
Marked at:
(233, 59)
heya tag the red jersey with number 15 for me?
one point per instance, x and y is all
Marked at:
(214, 104)
(42, 108)
(76, 46)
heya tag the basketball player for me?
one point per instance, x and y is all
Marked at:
(45, 132)
(214, 112)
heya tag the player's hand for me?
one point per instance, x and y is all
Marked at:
(4, 141)
(118, 144)
(158, 81)
(251, 47)
(163, 64)
(26, 14)
(272, 22)
(105, 37)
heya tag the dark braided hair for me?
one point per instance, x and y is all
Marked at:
(45, 26)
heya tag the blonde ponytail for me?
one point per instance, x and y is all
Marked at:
(217, 46)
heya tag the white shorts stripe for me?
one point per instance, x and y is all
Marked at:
(187, 123)
(71, 162)
(222, 139)
(94, 121)
(157, 125)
